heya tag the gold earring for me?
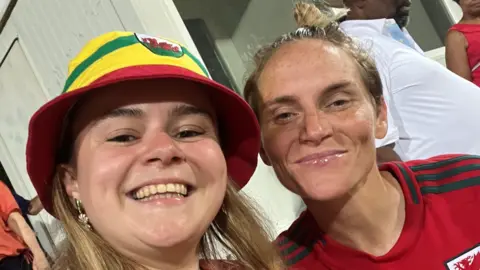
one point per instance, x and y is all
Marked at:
(82, 217)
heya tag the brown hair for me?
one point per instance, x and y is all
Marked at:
(315, 22)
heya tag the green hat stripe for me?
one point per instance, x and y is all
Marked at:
(195, 59)
(107, 48)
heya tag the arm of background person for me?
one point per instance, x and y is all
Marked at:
(19, 226)
(456, 54)
(22, 203)
(10, 215)
(35, 206)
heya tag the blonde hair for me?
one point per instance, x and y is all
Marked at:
(237, 228)
(316, 21)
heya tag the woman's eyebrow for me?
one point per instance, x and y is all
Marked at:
(184, 110)
(124, 112)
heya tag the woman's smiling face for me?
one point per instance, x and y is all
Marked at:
(318, 120)
(147, 164)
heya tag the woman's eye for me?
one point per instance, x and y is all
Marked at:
(122, 138)
(283, 116)
(188, 134)
(339, 103)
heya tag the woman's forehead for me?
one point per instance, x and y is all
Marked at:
(306, 65)
(165, 92)
(140, 96)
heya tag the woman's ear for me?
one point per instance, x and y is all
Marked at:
(381, 123)
(67, 175)
(264, 157)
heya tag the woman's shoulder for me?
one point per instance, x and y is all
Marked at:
(465, 27)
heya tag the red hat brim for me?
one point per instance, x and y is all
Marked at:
(239, 130)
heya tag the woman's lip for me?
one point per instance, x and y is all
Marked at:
(163, 200)
(159, 181)
(320, 156)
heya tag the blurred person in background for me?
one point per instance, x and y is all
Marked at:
(431, 108)
(19, 248)
(28, 207)
(462, 44)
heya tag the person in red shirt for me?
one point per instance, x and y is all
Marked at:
(318, 98)
(17, 240)
(462, 43)
(440, 229)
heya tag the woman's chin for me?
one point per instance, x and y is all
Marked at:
(167, 240)
(327, 192)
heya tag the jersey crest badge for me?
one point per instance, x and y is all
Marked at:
(469, 260)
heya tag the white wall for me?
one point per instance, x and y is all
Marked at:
(454, 10)
(262, 22)
(3, 5)
(437, 55)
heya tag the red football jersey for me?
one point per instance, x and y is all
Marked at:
(441, 230)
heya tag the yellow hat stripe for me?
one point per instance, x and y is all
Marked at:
(118, 59)
(101, 52)
(93, 46)
(126, 51)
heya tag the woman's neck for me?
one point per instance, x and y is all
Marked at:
(469, 19)
(182, 257)
(369, 219)
(167, 266)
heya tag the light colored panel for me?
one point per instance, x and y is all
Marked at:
(280, 206)
(262, 22)
(3, 6)
(454, 10)
(437, 55)
(233, 62)
(20, 96)
(53, 32)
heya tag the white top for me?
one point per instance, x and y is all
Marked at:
(432, 110)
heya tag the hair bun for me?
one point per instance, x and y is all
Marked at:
(318, 14)
(308, 15)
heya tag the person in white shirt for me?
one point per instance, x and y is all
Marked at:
(432, 110)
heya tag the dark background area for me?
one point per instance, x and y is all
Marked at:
(206, 47)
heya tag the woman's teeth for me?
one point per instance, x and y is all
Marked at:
(161, 191)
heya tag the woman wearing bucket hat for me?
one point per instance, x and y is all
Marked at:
(141, 158)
